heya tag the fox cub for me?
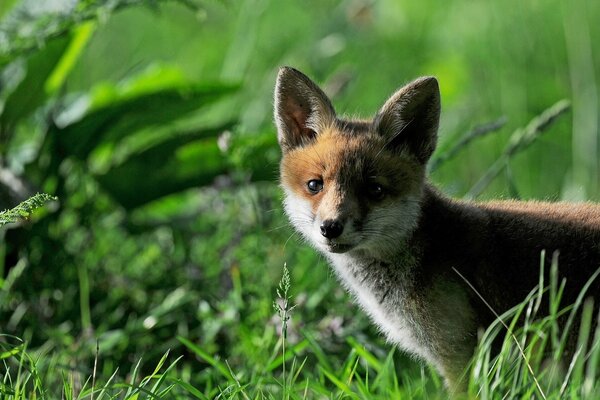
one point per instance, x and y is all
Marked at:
(357, 191)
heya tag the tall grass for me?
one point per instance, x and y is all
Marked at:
(553, 356)
(23, 378)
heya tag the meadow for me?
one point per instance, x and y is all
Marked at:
(163, 266)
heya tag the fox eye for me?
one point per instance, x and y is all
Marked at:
(314, 186)
(375, 191)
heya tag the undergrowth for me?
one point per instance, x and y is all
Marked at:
(534, 361)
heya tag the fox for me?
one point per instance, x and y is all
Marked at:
(429, 270)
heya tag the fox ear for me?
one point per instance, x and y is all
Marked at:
(302, 110)
(409, 119)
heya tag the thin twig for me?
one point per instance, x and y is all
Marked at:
(519, 140)
(463, 142)
(537, 384)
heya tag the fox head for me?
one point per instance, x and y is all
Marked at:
(353, 185)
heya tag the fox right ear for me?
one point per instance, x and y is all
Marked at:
(409, 119)
(302, 110)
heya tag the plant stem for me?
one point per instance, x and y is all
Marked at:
(519, 140)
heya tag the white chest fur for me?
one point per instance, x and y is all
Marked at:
(382, 291)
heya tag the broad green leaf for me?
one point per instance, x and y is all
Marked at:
(5, 6)
(137, 138)
(365, 354)
(168, 167)
(29, 93)
(11, 352)
(338, 383)
(159, 96)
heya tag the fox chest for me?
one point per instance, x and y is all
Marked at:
(385, 294)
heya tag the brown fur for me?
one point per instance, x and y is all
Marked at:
(497, 246)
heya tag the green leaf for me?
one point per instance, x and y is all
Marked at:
(168, 167)
(318, 351)
(218, 365)
(80, 38)
(290, 354)
(29, 93)
(11, 352)
(338, 383)
(190, 389)
(139, 138)
(159, 96)
(364, 353)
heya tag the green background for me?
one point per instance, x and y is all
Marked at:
(156, 135)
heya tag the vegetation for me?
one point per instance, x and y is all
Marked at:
(154, 272)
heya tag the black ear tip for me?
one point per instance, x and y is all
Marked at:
(427, 82)
(285, 72)
(429, 78)
(284, 69)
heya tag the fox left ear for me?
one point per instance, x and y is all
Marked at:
(410, 118)
(302, 110)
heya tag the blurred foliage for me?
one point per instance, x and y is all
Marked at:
(151, 121)
(32, 23)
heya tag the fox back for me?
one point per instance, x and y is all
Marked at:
(357, 191)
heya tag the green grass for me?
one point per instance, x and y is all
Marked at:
(24, 379)
(537, 358)
(532, 363)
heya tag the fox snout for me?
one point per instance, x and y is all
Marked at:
(331, 228)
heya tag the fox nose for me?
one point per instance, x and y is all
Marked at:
(331, 228)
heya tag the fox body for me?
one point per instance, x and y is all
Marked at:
(357, 191)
